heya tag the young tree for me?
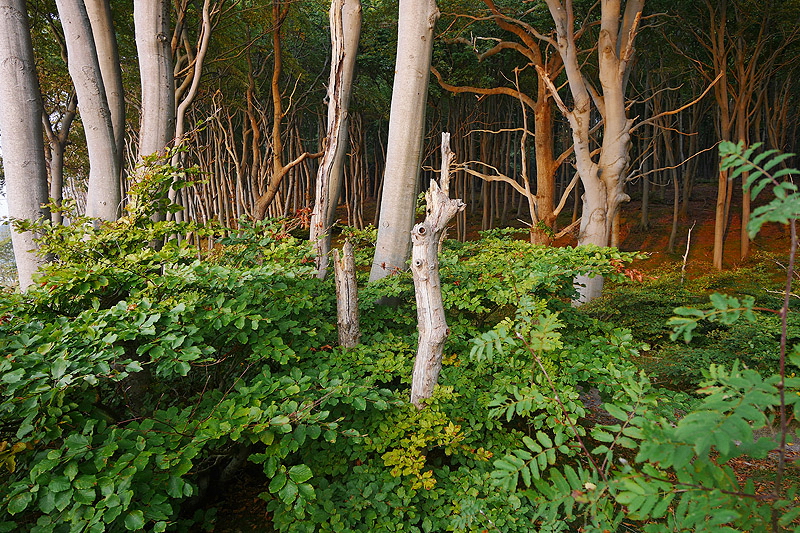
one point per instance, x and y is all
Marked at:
(541, 201)
(280, 10)
(21, 129)
(416, 22)
(104, 192)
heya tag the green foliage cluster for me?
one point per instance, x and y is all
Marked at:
(645, 308)
(134, 375)
(677, 475)
(141, 370)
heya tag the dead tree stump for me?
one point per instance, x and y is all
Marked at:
(346, 296)
(426, 238)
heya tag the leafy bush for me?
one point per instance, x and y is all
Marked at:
(137, 375)
(645, 308)
(133, 375)
(676, 475)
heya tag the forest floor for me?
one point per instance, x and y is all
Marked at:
(240, 510)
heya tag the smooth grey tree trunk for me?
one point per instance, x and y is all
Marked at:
(603, 177)
(417, 19)
(105, 40)
(104, 194)
(427, 237)
(22, 136)
(157, 125)
(345, 20)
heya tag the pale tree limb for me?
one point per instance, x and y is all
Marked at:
(678, 110)
(425, 238)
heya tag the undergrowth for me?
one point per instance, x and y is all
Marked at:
(136, 376)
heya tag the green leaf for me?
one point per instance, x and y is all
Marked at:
(134, 520)
(19, 503)
(277, 483)
(300, 473)
(544, 439)
(288, 493)
(615, 411)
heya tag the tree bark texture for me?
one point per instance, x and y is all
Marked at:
(426, 238)
(58, 144)
(20, 124)
(157, 125)
(345, 20)
(346, 296)
(99, 12)
(104, 194)
(417, 20)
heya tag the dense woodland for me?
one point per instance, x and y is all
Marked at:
(184, 175)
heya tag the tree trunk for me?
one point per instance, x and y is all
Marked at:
(104, 193)
(58, 144)
(279, 168)
(345, 20)
(20, 122)
(99, 12)
(406, 131)
(346, 296)
(603, 179)
(157, 125)
(431, 323)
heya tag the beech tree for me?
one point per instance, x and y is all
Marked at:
(157, 124)
(22, 137)
(602, 171)
(541, 201)
(416, 22)
(104, 192)
(99, 12)
(280, 168)
(744, 50)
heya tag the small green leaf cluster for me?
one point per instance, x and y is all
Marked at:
(762, 169)
(672, 476)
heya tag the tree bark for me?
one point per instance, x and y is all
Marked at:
(104, 193)
(345, 20)
(157, 125)
(603, 178)
(346, 296)
(99, 12)
(417, 20)
(426, 237)
(58, 144)
(20, 124)
(279, 168)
